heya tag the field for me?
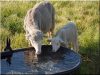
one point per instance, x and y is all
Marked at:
(84, 13)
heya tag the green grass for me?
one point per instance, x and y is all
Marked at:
(84, 13)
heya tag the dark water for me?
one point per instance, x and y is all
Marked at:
(48, 62)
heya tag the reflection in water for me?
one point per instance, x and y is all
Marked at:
(44, 64)
(29, 57)
(46, 60)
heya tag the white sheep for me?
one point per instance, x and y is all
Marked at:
(39, 20)
(66, 36)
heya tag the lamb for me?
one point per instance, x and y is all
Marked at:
(66, 36)
(39, 20)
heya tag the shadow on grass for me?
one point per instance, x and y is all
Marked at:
(89, 65)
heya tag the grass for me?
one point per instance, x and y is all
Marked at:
(84, 13)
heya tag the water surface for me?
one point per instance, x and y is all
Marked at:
(23, 62)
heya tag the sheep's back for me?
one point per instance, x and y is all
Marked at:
(68, 32)
(42, 15)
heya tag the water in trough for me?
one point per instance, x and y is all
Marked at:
(23, 62)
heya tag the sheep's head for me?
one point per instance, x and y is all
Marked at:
(56, 42)
(35, 39)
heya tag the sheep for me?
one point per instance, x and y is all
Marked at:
(39, 20)
(66, 36)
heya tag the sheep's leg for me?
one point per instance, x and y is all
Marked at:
(27, 37)
(69, 45)
(66, 45)
(76, 41)
(49, 34)
(29, 43)
(75, 46)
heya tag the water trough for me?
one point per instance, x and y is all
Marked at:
(23, 62)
